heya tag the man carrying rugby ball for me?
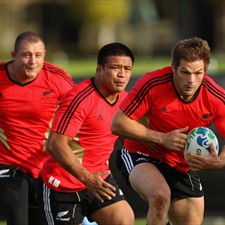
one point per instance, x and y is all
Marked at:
(175, 99)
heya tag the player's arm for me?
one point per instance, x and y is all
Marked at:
(210, 162)
(58, 147)
(213, 161)
(126, 127)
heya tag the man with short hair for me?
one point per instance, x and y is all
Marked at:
(174, 99)
(77, 180)
(30, 90)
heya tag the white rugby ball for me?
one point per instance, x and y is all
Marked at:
(198, 141)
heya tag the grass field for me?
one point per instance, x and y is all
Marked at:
(86, 67)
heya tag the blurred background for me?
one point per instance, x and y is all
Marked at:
(80, 27)
(74, 30)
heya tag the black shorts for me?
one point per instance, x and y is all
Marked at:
(18, 197)
(70, 208)
(182, 185)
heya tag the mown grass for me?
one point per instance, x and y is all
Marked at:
(140, 221)
(86, 67)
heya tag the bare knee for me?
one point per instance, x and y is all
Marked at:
(158, 208)
(160, 203)
(126, 219)
(119, 213)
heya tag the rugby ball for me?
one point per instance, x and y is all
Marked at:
(198, 141)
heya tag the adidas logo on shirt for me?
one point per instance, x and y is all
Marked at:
(100, 117)
(163, 109)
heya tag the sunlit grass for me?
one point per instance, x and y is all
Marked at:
(140, 221)
(86, 67)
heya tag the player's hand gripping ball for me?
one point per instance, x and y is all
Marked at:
(198, 141)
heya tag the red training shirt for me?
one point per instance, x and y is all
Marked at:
(26, 112)
(154, 95)
(85, 115)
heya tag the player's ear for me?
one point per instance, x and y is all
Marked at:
(99, 68)
(173, 68)
(13, 54)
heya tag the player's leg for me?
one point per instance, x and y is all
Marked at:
(14, 197)
(62, 208)
(36, 212)
(115, 211)
(187, 211)
(187, 204)
(119, 213)
(139, 172)
(149, 183)
(36, 216)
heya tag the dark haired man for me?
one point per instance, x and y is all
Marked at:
(77, 181)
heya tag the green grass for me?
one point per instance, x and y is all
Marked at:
(86, 67)
(140, 221)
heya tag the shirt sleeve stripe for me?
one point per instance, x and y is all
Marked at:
(58, 71)
(145, 90)
(72, 108)
(214, 90)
